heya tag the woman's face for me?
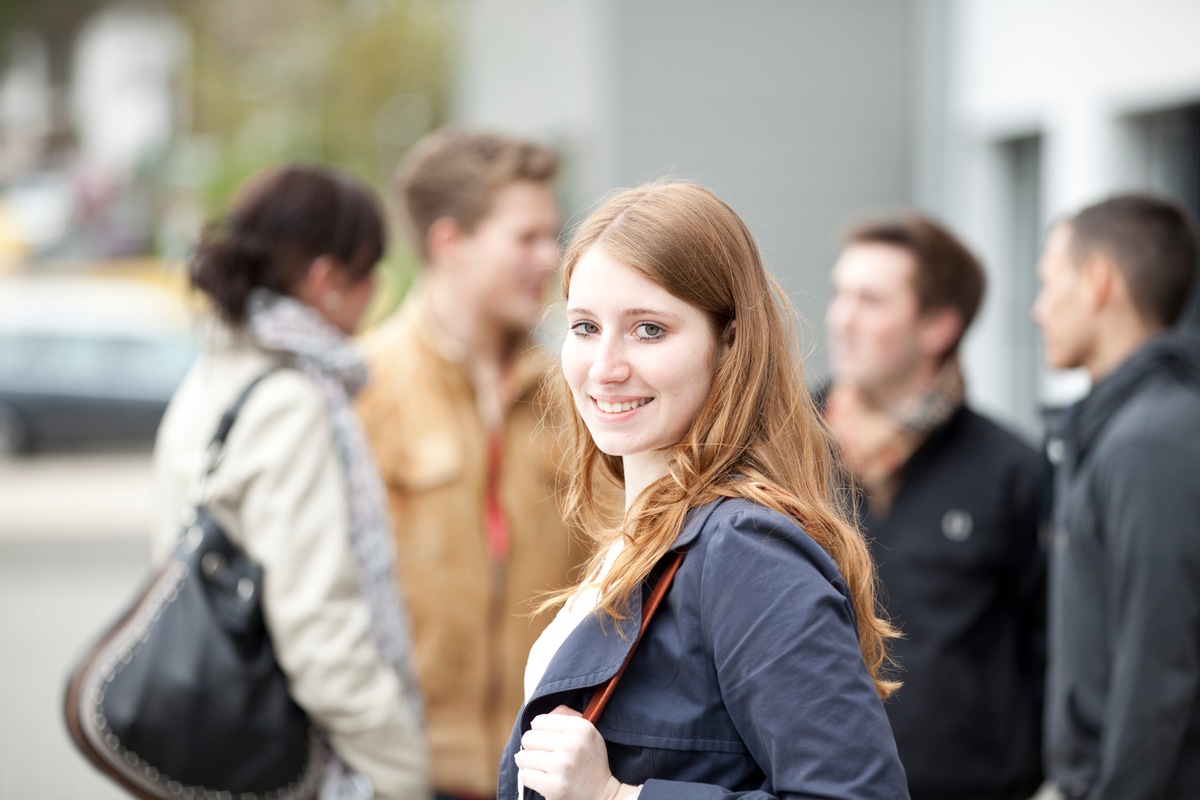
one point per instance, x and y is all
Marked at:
(356, 294)
(638, 359)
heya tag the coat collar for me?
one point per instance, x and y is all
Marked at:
(1175, 353)
(528, 370)
(597, 648)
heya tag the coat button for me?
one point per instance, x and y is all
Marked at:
(957, 525)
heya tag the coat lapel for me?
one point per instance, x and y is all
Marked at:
(596, 649)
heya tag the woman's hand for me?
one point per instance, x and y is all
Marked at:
(563, 757)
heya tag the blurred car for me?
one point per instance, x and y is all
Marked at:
(86, 361)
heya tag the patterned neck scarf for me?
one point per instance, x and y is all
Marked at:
(877, 442)
(287, 327)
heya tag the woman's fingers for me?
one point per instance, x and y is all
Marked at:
(552, 786)
(560, 720)
(540, 760)
(543, 771)
(540, 740)
(563, 757)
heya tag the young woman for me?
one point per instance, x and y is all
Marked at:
(288, 274)
(760, 675)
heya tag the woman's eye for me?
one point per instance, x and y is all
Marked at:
(648, 330)
(584, 329)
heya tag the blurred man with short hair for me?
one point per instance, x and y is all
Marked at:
(453, 414)
(953, 506)
(1123, 703)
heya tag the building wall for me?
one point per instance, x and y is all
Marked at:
(1077, 77)
(796, 112)
(539, 68)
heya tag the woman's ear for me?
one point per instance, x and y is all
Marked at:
(320, 285)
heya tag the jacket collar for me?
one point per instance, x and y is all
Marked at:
(415, 315)
(597, 648)
(1174, 353)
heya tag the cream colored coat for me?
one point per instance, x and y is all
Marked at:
(471, 619)
(279, 494)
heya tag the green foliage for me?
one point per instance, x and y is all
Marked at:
(347, 83)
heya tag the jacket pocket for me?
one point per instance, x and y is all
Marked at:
(692, 763)
(660, 735)
(424, 463)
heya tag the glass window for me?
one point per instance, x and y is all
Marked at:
(1022, 243)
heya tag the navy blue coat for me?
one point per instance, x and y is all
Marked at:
(749, 682)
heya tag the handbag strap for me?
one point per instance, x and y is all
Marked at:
(216, 447)
(600, 699)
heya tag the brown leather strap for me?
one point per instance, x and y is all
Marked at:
(604, 691)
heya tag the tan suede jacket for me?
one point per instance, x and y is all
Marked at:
(280, 495)
(470, 617)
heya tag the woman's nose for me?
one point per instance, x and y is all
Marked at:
(610, 364)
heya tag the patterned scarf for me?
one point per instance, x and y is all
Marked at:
(877, 442)
(287, 327)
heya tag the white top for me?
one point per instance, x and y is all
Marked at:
(578, 606)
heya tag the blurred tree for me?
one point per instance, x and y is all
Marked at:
(349, 83)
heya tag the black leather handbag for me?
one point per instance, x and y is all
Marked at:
(182, 697)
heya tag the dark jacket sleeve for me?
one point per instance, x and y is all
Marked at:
(1150, 510)
(782, 636)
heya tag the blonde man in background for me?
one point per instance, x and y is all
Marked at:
(453, 416)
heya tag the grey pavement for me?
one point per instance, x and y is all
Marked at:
(76, 496)
(73, 549)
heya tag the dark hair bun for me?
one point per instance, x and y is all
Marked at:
(227, 266)
(281, 221)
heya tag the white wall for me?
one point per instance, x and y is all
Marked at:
(127, 68)
(1073, 68)
(541, 68)
(1071, 71)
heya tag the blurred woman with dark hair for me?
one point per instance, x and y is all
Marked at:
(289, 274)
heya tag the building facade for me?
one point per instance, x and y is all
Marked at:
(996, 116)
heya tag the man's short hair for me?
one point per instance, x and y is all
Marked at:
(946, 275)
(457, 174)
(1152, 242)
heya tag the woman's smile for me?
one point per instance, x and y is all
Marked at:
(617, 407)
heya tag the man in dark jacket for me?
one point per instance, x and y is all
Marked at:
(953, 509)
(1123, 704)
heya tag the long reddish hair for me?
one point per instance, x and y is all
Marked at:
(757, 436)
